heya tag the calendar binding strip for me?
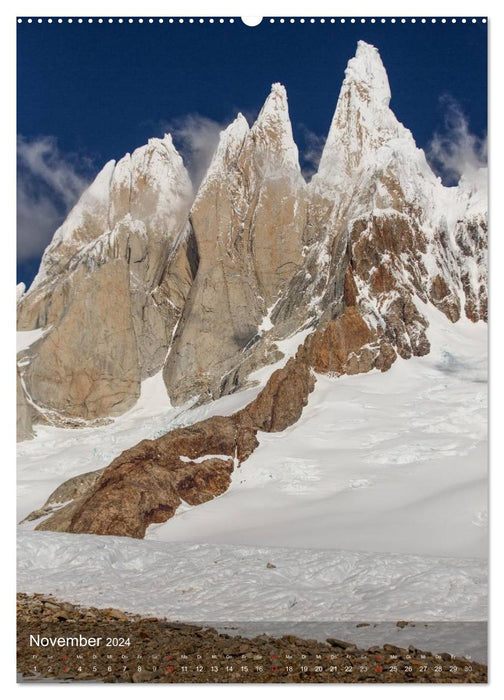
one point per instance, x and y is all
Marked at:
(266, 20)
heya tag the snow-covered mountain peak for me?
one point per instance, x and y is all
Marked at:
(231, 141)
(268, 144)
(362, 125)
(164, 147)
(236, 131)
(271, 135)
(275, 107)
(151, 158)
(150, 185)
(158, 159)
(367, 71)
(241, 123)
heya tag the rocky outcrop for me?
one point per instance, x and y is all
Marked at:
(348, 346)
(282, 400)
(111, 287)
(146, 484)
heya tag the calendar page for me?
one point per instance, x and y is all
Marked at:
(252, 349)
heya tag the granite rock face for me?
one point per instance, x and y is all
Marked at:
(93, 373)
(248, 221)
(24, 418)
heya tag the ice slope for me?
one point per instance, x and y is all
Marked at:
(393, 462)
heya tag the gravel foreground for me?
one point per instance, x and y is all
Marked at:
(58, 641)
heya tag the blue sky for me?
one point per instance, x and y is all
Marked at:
(91, 92)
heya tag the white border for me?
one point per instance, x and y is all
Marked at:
(7, 280)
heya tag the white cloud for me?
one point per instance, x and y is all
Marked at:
(37, 219)
(456, 150)
(310, 151)
(49, 183)
(196, 137)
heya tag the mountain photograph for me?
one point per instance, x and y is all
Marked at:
(252, 359)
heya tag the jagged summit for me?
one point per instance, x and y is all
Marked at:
(271, 134)
(362, 122)
(230, 143)
(149, 185)
(275, 107)
(240, 124)
(230, 137)
(367, 70)
(155, 143)
(166, 142)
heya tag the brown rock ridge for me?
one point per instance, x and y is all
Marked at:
(147, 483)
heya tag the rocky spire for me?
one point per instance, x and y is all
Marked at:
(403, 230)
(110, 288)
(367, 71)
(362, 122)
(272, 133)
(248, 221)
(226, 154)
